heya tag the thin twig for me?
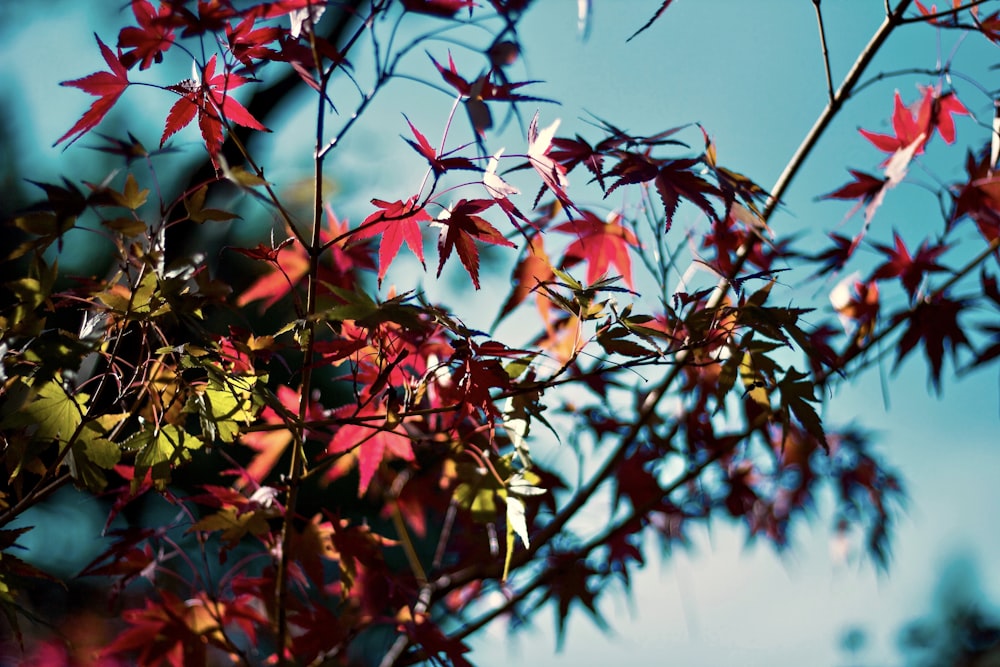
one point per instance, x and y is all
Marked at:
(823, 47)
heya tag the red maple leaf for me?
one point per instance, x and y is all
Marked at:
(633, 167)
(276, 8)
(601, 244)
(160, 633)
(472, 381)
(991, 331)
(263, 252)
(299, 52)
(910, 270)
(943, 109)
(867, 189)
(107, 86)
(461, 227)
(836, 257)
(571, 152)
(291, 265)
(949, 20)
(483, 90)
(148, 41)
(241, 349)
(573, 580)
(979, 197)
(909, 128)
(534, 269)
(213, 15)
(367, 443)
(914, 130)
(677, 179)
(247, 44)
(935, 323)
(659, 12)
(989, 26)
(425, 633)
(211, 100)
(397, 221)
(624, 546)
(635, 478)
(439, 164)
(445, 8)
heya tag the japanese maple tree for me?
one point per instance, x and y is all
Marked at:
(347, 458)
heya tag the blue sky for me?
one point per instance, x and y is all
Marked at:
(752, 75)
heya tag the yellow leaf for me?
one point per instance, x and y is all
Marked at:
(126, 226)
(131, 197)
(195, 205)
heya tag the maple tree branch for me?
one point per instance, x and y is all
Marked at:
(823, 47)
(383, 75)
(403, 640)
(424, 596)
(395, 651)
(843, 93)
(308, 333)
(366, 98)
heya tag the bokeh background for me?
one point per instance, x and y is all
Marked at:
(752, 74)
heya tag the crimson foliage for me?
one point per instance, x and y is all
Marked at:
(418, 433)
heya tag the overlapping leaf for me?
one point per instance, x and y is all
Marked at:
(461, 228)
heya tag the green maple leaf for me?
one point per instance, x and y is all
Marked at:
(92, 453)
(227, 403)
(55, 414)
(158, 450)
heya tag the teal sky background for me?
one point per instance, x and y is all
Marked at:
(752, 75)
